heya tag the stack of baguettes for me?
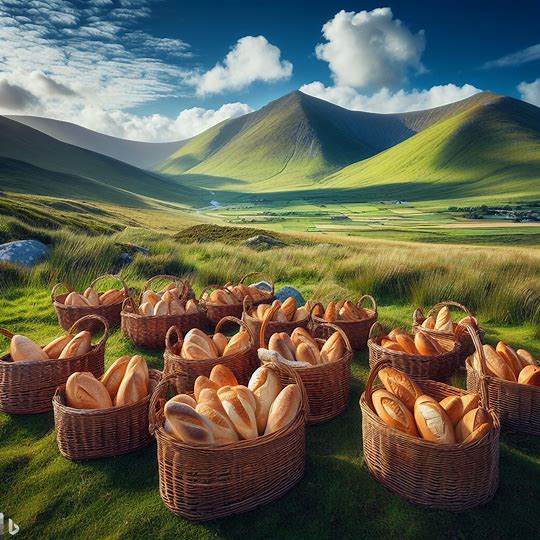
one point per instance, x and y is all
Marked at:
(221, 411)
(341, 310)
(91, 298)
(403, 406)
(169, 301)
(199, 346)
(285, 311)
(421, 343)
(126, 382)
(231, 294)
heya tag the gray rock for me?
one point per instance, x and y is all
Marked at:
(26, 253)
(287, 291)
(262, 241)
(262, 285)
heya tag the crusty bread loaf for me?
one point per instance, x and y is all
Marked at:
(351, 312)
(333, 349)
(202, 382)
(284, 409)
(114, 375)
(289, 308)
(54, 348)
(471, 422)
(265, 385)
(161, 309)
(478, 433)
(496, 365)
(316, 308)
(300, 314)
(330, 313)
(112, 296)
(456, 407)
(307, 348)
(84, 391)
(530, 375)
(187, 425)
(443, 322)
(279, 344)
(240, 410)
(150, 296)
(135, 384)
(92, 296)
(222, 428)
(198, 346)
(185, 398)
(220, 341)
(80, 344)
(192, 308)
(427, 345)
(526, 358)
(146, 309)
(304, 353)
(393, 412)
(391, 345)
(279, 316)
(395, 331)
(176, 308)
(429, 323)
(402, 386)
(432, 421)
(261, 310)
(239, 342)
(223, 376)
(23, 349)
(222, 297)
(77, 300)
(471, 321)
(406, 342)
(509, 356)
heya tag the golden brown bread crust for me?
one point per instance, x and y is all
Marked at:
(443, 322)
(191, 308)
(289, 308)
(187, 425)
(135, 383)
(283, 409)
(80, 344)
(198, 346)
(509, 356)
(280, 345)
(84, 391)
(54, 349)
(161, 309)
(391, 345)
(429, 323)
(150, 296)
(406, 342)
(471, 422)
(530, 375)
(240, 410)
(220, 341)
(146, 309)
(239, 342)
(223, 376)
(526, 358)
(496, 365)
(112, 296)
(330, 313)
(456, 407)
(402, 386)
(210, 397)
(266, 386)
(260, 311)
(114, 375)
(432, 421)
(23, 349)
(478, 433)
(305, 353)
(176, 308)
(76, 299)
(333, 348)
(222, 429)
(393, 412)
(426, 345)
(92, 296)
(202, 382)
(184, 398)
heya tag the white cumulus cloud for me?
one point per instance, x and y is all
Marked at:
(251, 59)
(530, 92)
(370, 49)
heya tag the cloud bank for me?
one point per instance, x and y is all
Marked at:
(530, 92)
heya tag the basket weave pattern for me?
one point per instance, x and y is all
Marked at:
(447, 476)
(28, 387)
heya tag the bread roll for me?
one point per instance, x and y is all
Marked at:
(399, 384)
(220, 341)
(150, 296)
(279, 316)
(240, 410)
(330, 313)
(80, 344)
(443, 322)
(471, 422)
(261, 310)
(54, 348)
(456, 407)
(176, 308)
(202, 382)
(393, 412)
(239, 342)
(265, 385)
(391, 345)
(478, 433)
(187, 425)
(406, 342)
(114, 375)
(429, 323)
(393, 333)
(223, 431)
(350, 312)
(184, 398)
(146, 309)
(112, 296)
(302, 336)
(77, 300)
(223, 376)
(304, 353)
(509, 356)
(432, 421)
(496, 366)
(135, 383)
(191, 308)
(92, 296)
(168, 296)
(161, 309)
(198, 346)
(318, 310)
(222, 297)
(426, 345)
(84, 391)
(333, 348)
(301, 314)
(289, 308)
(530, 375)
(280, 344)
(526, 358)
(284, 408)
(23, 349)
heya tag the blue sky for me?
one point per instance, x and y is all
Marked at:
(164, 70)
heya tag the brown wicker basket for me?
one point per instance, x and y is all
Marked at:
(69, 315)
(467, 346)
(149, 332)
(98, 433)
(448, 476)
(202, 483)
(418, 366)
(273, 326)
(357, 331)
(28, 387)
(518, 405)
(242, 363)
(216, 312)
(327, 385)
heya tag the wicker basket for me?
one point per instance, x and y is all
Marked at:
(518, 405)
(28, 387)
(98, 433)
(436, 368)
(149, 332)
(357, 331)
(216, 312)
(448, 476)
(69, 315)
(273, 326)
(202, 483)
(242, 363)
(327, 385)
(467, 346)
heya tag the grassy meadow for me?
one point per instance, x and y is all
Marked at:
(50, 497)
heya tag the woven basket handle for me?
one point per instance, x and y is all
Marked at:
(251, 274)
(376, 326)
(6, 333)
(173, 331)
(92, 317)
(129, 305)
(181, 284)
(370, 298)
(449, 303)
(461, 329)
(111, 276)
(240, 323)
(371, 380)
(336, 329)
(418, 316)
(267, 317)
(58, 286)
(247, 304)
(157, 401)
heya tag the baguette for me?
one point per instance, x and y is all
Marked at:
(393, 412)
(161, 309)
(470, 321)
(406, 342)
(456, 407)
(79, 345)
(443, 322)
(393, 333)
(429, 323)
(84, 391)
(426, 345)
(530, 375)
(240, 410)
(305, 353)
(526, 358)
(391, 345)
(432, 421)
(184, 398)
(55, 347)
(333, 348)
(112, 296)
(509, 356)
(310, 350)
(114, 375)
(239, 342)
(399, 384)
(478, 433)
(223, 376)
(330, 314)
(135, 383)
(284, 409)
(146, 309)
(266, 386)
(223, 431)
(496, 365)
(192, 308)
(289, 308)
(220, 341)
(187, 425)
(260, 311)
(300, 314)
(23, 349)
(76, 300)
(92, 296)
(280, 344)
(202, 382)
(471, 422)
(150, 296)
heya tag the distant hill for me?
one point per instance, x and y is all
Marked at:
(140, 154)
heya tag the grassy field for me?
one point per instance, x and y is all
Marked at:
(50, 497)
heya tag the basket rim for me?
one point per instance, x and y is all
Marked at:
(60, 305)
(138, 316)
(415, 357)
(356, 321)
(70, 289)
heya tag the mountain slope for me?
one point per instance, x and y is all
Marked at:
(139, 154)
(490, 150)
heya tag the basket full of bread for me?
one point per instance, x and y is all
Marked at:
(197, 353)
(105, 416)
(439, 323)
(354, 319)
(228, 448)
(30, 374)
(510, 380)
(279, 317)
(323, 364)
(72, 305)
(227, 300)
(146, 322)
(433, 444)
(422, 356)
